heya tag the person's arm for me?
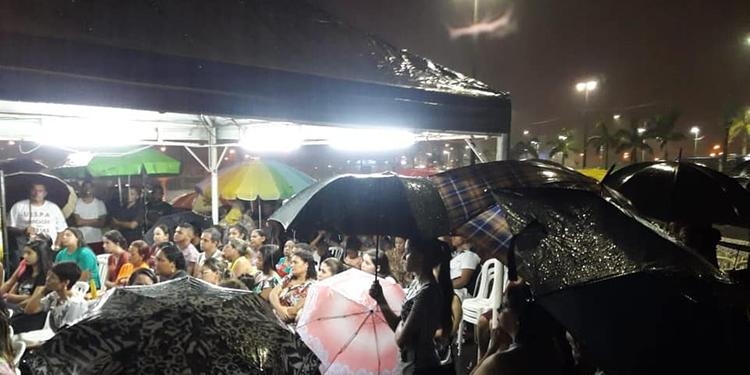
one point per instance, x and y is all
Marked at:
(10, 285)
(463, 280)
(37, 303)
(273, 297)
(124, 224)
(38, 291)
(314, 242)
(376, 292)
(95, 223)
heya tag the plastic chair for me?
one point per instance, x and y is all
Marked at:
(102, 261)
(488, 296)
(35, 338)
(337, 252)
(81, 287)
(19, 348)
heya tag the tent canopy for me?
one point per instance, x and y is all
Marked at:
(278, 60)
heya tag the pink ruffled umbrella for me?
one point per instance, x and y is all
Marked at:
(344, 327)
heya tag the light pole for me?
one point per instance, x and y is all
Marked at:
(643, 151)
(696, 131)
(586, 87)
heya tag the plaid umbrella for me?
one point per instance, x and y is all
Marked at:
(489, 232)
(467, 191)
(177, 327)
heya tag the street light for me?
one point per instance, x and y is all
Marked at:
(696, 131)
(586, 87)
(642, 130)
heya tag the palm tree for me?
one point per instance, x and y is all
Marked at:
(563, 145)
(740, 125)
(603, 141)
(525, 149)
(662, 129)
(633, 139)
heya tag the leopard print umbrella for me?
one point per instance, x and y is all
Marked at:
(183, 326)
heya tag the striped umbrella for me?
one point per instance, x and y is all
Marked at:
(258, 179)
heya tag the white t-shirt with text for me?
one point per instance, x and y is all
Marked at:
(45, 218)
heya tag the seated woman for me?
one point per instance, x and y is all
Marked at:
(288, 298)
(143, 276)
(329, 267)
(170, 263)
(29, 277)
(377, 261)
(140, 256)
(239, 265)
(74, 249)
(65, 305)
(284, 264)
(267, 278)
(426, 310)
(214, 271)
(463, 266)
(114, 244)
(352, 258)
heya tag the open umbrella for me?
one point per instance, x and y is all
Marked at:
(343, 326)
(258, 179)
(180, 326)
(21, 165)
(621, 288)
(467, 191)
(367, 204)
(143, 161)
(682, 191)
(17, 187)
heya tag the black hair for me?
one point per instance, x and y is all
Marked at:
(78, 235)
(244, 233)
(353, 243)
(145, 272)
(116, 237)
(67, 271)
(270, 255)
(164, 228)
(307, 257)
(43, 264)
(214, 233)
(380, 260)
(233, 284)
(173, 255)
(335, 265)
(187, 226)
(302, 246)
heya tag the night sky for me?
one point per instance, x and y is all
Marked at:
(650, 56)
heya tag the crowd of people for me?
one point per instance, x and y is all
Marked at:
(436, 273)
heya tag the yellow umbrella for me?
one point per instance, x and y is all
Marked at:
(595, 173)
(258, 179)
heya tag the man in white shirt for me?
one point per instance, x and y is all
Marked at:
(34, 216)
(90, 215)
(183, 237)
(210, 240)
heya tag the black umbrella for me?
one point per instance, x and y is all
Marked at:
(367, 204)
(21, 165)
(17, 186)
(199, 222)
(180, 326)
(682, 191)
(632, 296)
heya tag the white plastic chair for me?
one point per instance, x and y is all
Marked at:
(19, 347)
(487, 295)
(35, 338)
(337, 252)
(81, 287)
(102, 261)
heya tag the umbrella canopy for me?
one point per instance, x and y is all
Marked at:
(467, 191)
(264, 179)
(682, 191)
(198, 221)
(622, 289)
(418, 172)
(367, 204)
(21, 165)
(180, 326)
(147, 160)
(343, 326)
(17, 187)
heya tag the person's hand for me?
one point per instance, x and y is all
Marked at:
(284, 314)
(376, 292)
(29, 231)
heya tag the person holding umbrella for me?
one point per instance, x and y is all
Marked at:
(426, 310)
(33, 216)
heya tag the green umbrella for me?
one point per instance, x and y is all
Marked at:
(148, 161)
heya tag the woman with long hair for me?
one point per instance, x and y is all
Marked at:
(376, 262)
(267, 278)
(29, 278)
(114, 244)
(288, 298)
(6, 347)
(426, 310)
(74, 249)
